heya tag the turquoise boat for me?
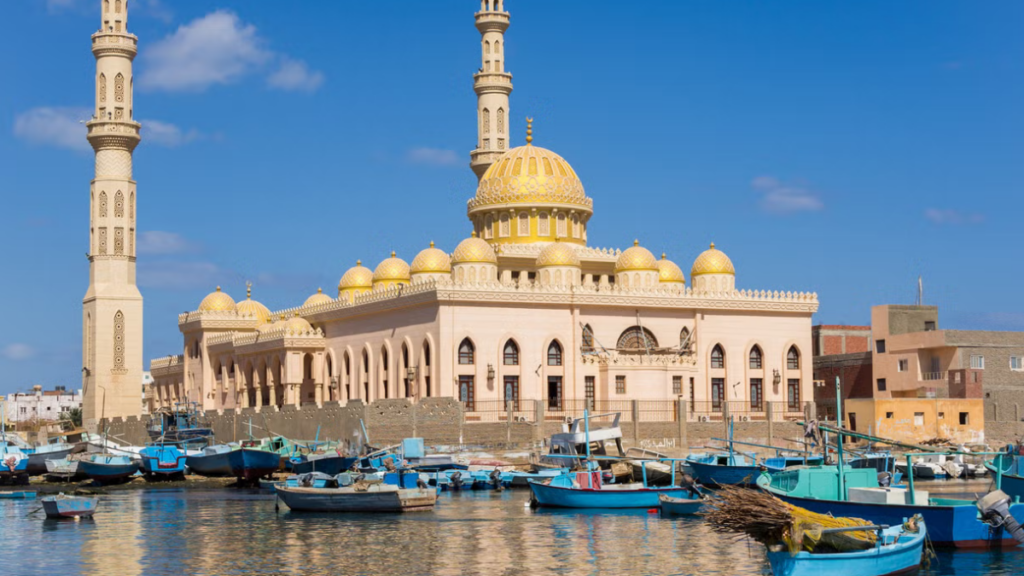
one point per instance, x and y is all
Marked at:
(952, 522)
(897, 551)
(108, 468)
(162, 463)
(1008, 469)
(17, 495)
(586, 490)
(13, 464)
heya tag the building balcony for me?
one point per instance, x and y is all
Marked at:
(930, 376)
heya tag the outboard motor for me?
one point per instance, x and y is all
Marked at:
(421, 484)
(884, 479)
(457, 480)
(496, 478)
(995, 511)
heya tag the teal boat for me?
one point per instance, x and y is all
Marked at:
(1008, 470)
(897, 551)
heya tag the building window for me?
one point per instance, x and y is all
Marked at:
(755, 358)
(918, 418)
(589, 391)
(881, 384)
(902, 365)
(620, 384)
(466, 352)
(965, 418)
(511, 354)
(1016, 363)
(717, 394)
(588, 339)
(555, 354)
(929, 325)
(512, 393)
(977, 362)
(692, 393)
(677, 385)
(466, 393)
(756, 395)
(717, 357)
(554, 392)
(637, 338)
(880, 346)
(793, 359)
(888, 415)
(793, 394)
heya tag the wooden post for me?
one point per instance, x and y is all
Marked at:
(770, 418)
(681, 408)
(725, 417)
(538, 430)
(635, 405)
(508, 422)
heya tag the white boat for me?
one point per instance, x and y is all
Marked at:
(374, 498)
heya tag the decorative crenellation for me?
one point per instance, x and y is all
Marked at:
(534, 249)
(167, 366)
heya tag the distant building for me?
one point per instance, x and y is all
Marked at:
(919, 381)
(40, 404)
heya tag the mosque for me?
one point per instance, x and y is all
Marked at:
(523, 309)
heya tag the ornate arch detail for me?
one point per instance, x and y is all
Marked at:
(634, 338)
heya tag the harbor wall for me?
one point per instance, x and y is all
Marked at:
(444, 424)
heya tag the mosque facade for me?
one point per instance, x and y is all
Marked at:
(523, 309)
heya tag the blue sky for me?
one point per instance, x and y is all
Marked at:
(836, 147)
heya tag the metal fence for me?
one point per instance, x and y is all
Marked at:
(566, 410)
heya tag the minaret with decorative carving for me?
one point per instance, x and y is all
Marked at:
(112, 307)
(492, 86)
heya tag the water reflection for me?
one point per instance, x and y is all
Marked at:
(171, 532)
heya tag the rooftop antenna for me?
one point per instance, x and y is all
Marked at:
(920, 291)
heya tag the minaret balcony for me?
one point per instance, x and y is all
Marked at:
(122, 134)
(492, 21)
(120, 43)
(492, 82)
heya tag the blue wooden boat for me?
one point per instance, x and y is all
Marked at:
(522, 479)
(250, 464)
(1008, 469)
(61, 506)
(108, 468)
(13, 464)
(331, 463)
(897, 551)
(586, 490)
(951, 522)
(17, 495)
(724, 470)
(162, 462)
(185, 426)
(687, 506)
(213, 461)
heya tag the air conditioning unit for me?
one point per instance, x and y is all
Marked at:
(703, 418)
(744, 418)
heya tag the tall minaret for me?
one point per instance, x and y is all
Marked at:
(492, 86)
(112, 307)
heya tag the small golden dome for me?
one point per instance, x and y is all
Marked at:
(530, 175)
(472, 250)
(217, 301)
(558, 254)
(297, 324)
(358, 276)
(392, 269)
(636, 258)
(712, 261)
(669, 272)
(431, 261)
(318, 298)
(250, 307)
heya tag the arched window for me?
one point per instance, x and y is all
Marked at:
(524, 224)
(555, 354)
(588, 339)
(637, 338)
(487, 120)
(466, 352)
(561, 225)
(487, 47)
(543, 225)
(717, 357)
(119, 88)
(511, 353)
(501, 116)
(119, 205)
(575, 226)
(103, 204)
(684, 338)
(488, 226)
(793, 358)
(504, 228)
(756, 358)
(103, 88)
(497, 46)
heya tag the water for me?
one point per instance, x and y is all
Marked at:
(228, 532)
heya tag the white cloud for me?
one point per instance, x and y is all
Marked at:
(295, 75)
(157, 242)
(17, 352)
(165, 134)
(940, 216)
(434, 157)
(220, 48)
(179, 275)
(54, 126)
(781, 198)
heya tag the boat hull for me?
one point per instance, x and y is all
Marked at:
(162, 462)
(108, 473)
(37, 460)
(378, 498)
(715, 475)
(948, 526)
(215, 465)
(17, 495)
(69, 507)
(680, 506)
(332, 465)
(606, 497)
(250, 465)
(904, 557)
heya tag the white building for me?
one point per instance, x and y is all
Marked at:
(40, 404)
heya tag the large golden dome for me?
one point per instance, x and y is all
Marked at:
(712, 261)
(392, 269)
(250, 307)
(318, 298)
(636, 258)
(217, 301)
(356, 277)
(558, 254)
(431, 261)
(669, 272)
(472, 250)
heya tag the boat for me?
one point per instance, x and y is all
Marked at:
(249, 462)
(13, 464)
(184, 425)
(587, 490)
(687, 506)
(952, 522)
(39, 455)
(17, 495)
(108, 468)
(332, 463)
(897, 550)
(522, 479)
(212, 460)
(379, 497)
(63, 470)
(581, 439)
(733, 468)
(162, 462)
(1008, 469)
(62, 506)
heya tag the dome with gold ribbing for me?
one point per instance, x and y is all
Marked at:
(558, 254)
(636, 258)
(474, 250)
(669, 272)
(712, 261)
(530, 194)
(356, 278)
(251, 308)
(391, 272)
(431, 261)
(318, 298)
(217, 301)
